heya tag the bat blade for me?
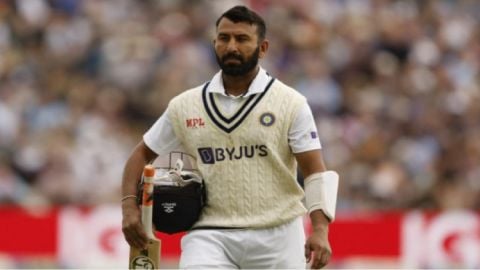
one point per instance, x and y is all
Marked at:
(148, 258)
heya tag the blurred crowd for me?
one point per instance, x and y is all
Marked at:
(392, 84)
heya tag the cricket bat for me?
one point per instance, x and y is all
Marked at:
(148, 258)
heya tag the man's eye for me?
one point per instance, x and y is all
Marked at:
(223, 38)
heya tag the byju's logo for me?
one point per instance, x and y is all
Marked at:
(206, 154)
(211, 155)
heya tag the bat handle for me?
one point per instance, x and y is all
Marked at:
(147, 200)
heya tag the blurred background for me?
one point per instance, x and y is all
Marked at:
(394, 87)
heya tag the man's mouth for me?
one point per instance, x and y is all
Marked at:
(232, 60)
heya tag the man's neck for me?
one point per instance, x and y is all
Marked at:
(238, 85)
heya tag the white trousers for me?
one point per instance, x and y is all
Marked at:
(281, 247)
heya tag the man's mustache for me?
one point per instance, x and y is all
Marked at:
(232, 56)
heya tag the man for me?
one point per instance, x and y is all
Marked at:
(247, 131)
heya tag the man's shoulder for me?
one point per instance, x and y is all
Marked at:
(284, 89)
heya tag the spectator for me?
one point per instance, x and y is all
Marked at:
(393, 85)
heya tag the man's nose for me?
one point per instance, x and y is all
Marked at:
(232, 46)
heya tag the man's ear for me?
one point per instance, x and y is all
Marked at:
(263, 48)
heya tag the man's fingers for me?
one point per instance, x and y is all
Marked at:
(308, 252)
(133, 242)
(317, 263)
(140, 236)
(135, 235)
(138, 242)
(320, 258)
(323, 260)
(132, 238)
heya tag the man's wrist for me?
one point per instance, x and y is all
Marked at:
(319, 221)
(126, 204)
(129, 197)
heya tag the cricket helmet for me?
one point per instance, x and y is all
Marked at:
(179, 194)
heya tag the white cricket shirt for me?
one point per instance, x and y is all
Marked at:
(302, 135)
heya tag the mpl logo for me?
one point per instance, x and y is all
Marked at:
(195, 122)
(449, 239)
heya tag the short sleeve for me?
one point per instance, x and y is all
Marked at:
(161, 138)
(303, 135)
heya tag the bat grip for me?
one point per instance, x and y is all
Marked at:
(147, 200)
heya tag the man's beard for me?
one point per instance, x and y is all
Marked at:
(241, 69)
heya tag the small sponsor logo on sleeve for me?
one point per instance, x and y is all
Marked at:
(313, 134)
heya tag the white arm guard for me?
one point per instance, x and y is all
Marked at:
(321, 192)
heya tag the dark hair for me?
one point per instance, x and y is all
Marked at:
(243, 14)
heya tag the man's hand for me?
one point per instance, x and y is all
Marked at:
(132, 225)
(317, 250)
(132, 220)
(317, 247)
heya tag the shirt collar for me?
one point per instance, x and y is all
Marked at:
(258, 84)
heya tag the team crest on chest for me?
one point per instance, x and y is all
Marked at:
(267, 119)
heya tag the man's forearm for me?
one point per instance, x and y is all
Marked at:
(134, 168)
(131, 176)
